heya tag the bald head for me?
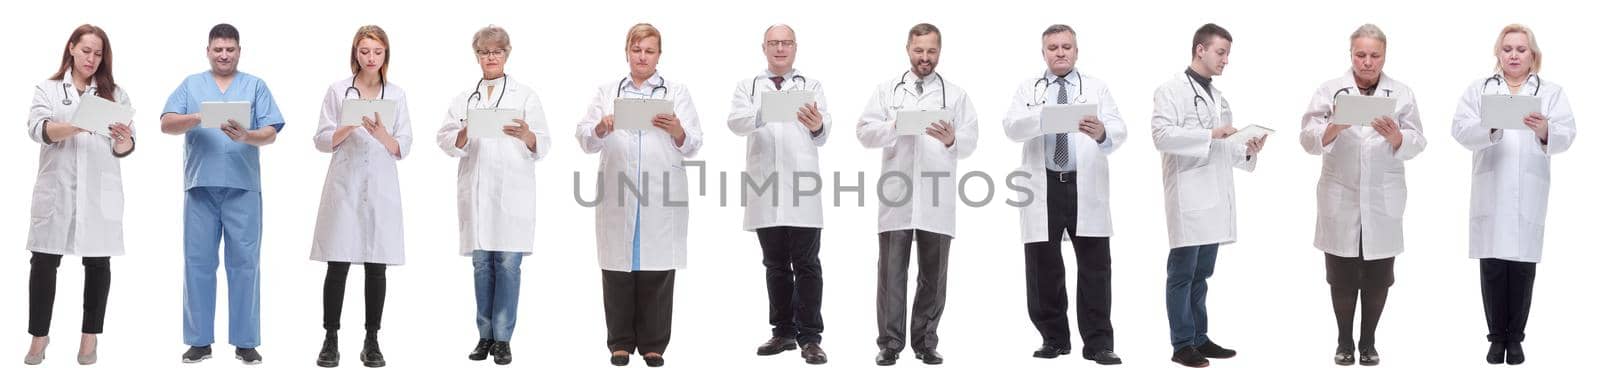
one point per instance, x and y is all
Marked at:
(779, 46)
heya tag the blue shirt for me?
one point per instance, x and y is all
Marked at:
(210, 158)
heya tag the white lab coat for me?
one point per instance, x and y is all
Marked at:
(779, 149)
(913, 155)
(1511, 172)
(77, 198)
(1361, 196)
(359, 220)
(1196, 170)
(1094, 171)
(642, 157)
(496, 195)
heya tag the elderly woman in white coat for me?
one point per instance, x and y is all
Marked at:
(77, 198)
(495, 196)
(1068, 188)
(641, 233)
(359, 220)
(1361, 196)
(1511, 185)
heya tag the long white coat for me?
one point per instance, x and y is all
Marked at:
(643, 158)
(1094, 171)
(1361, 196)
(77, 198)
(1511, 172)
(779, 149)
(913, 155)
(360, 219)
(1197, 171)
(495, 187)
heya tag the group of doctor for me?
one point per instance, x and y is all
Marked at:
(642, 237)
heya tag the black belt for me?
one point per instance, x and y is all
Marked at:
(1061, 176)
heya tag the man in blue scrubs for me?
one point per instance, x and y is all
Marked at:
(222, 197)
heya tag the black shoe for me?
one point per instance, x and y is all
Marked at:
(481, 351)
(329, 356)
(1102, 357)
(776, 345)
(654, 360)
(370, 355)
(1189, 357)
(501, 350)
(887, 357)
(1344, 355)
(1497, 352)
(247, 355)
(1369, 356)
(619, 360)
(1514, 354)
(1051, 352)
(195, 354)
(930, 357)
(813, 354)
(1211, 350)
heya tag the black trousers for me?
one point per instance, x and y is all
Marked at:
(927, 307)
(1046, 273)
(638, 310)
(333, 295)
(1507, 296)
(794, 281)
(42, 292)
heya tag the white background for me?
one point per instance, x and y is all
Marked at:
(1268, 297)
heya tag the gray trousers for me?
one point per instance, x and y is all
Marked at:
(894, 258)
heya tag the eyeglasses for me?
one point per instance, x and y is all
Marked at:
(784, 43)
(498, 53)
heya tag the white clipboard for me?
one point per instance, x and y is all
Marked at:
(781, 106)
(96, 114)
(351, 112)
(636, 113)
(1062, 119)
(1507, 111)
(1360, 110)
(1250, 132)
(216, 114)
(916, 122)
(488, 123)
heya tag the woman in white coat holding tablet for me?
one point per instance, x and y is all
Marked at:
(359, 220)
(495, 195)
(77, 199)
(1511, 185)
(642, 217)
(1361, 196)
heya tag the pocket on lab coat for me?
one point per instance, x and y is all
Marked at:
(1483, 194)
(1535, 198)
(1394, 194)
(1196, 189)
(44, 202)
(111, 197)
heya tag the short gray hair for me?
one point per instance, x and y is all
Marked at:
(493, 35)
(1370, 30)
(1058, 28)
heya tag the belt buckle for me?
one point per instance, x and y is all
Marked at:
(1063, 176)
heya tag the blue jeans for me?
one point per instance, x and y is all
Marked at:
(1187, 271)
(497, 278)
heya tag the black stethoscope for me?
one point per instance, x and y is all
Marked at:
(1538, 82)
(479, 95)
(1386, 92)
(1199, 103)
(661, 87)
(902, 83)
(383, 88)
(1043, 84)
(66, 97)
(799, 80)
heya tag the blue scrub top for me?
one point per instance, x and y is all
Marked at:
(210, 158)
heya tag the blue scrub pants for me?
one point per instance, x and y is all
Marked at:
(232, 216)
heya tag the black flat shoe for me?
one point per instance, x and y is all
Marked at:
(1051, 352)
(371, 356)
(887, 357)
(930, 357)
(501, 350)
(813, 354)
(655, 361)
(1344, 355)
(1514, 355)
(1211, 350)
(1497, 353)
(329, 356)
(619, 360)
(1103, 357)
(481, 351)
(776, 345)
(1188, 356)
(1369, 356)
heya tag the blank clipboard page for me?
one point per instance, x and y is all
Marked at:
(215, 114)
(1060, 119)
(353, 110)
(96, 114)
(916, 122)
(636, 113)
(784, 105)
(1507, 111)
(1248, 133)
(1360, 110)
(487, 123)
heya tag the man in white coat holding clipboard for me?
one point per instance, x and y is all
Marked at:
(1068, 196)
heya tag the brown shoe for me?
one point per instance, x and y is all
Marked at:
(814, 354)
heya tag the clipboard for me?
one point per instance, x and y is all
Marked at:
(215, 114)
(1507, 111)
(1250, 132)
(351, 112)
(781, 106)
(916, 122)
(487, 123)
(1360, 110)
(96, 114)
(636, 113)
(1062, 119)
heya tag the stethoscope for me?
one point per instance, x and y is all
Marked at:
(66, 97)
(799, 80)
(383, 89)
(902, 83)
(1199, 104)
(1043, 84)
(1386, 92)
(1538, 82)
(661, 87)
(479, 95)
